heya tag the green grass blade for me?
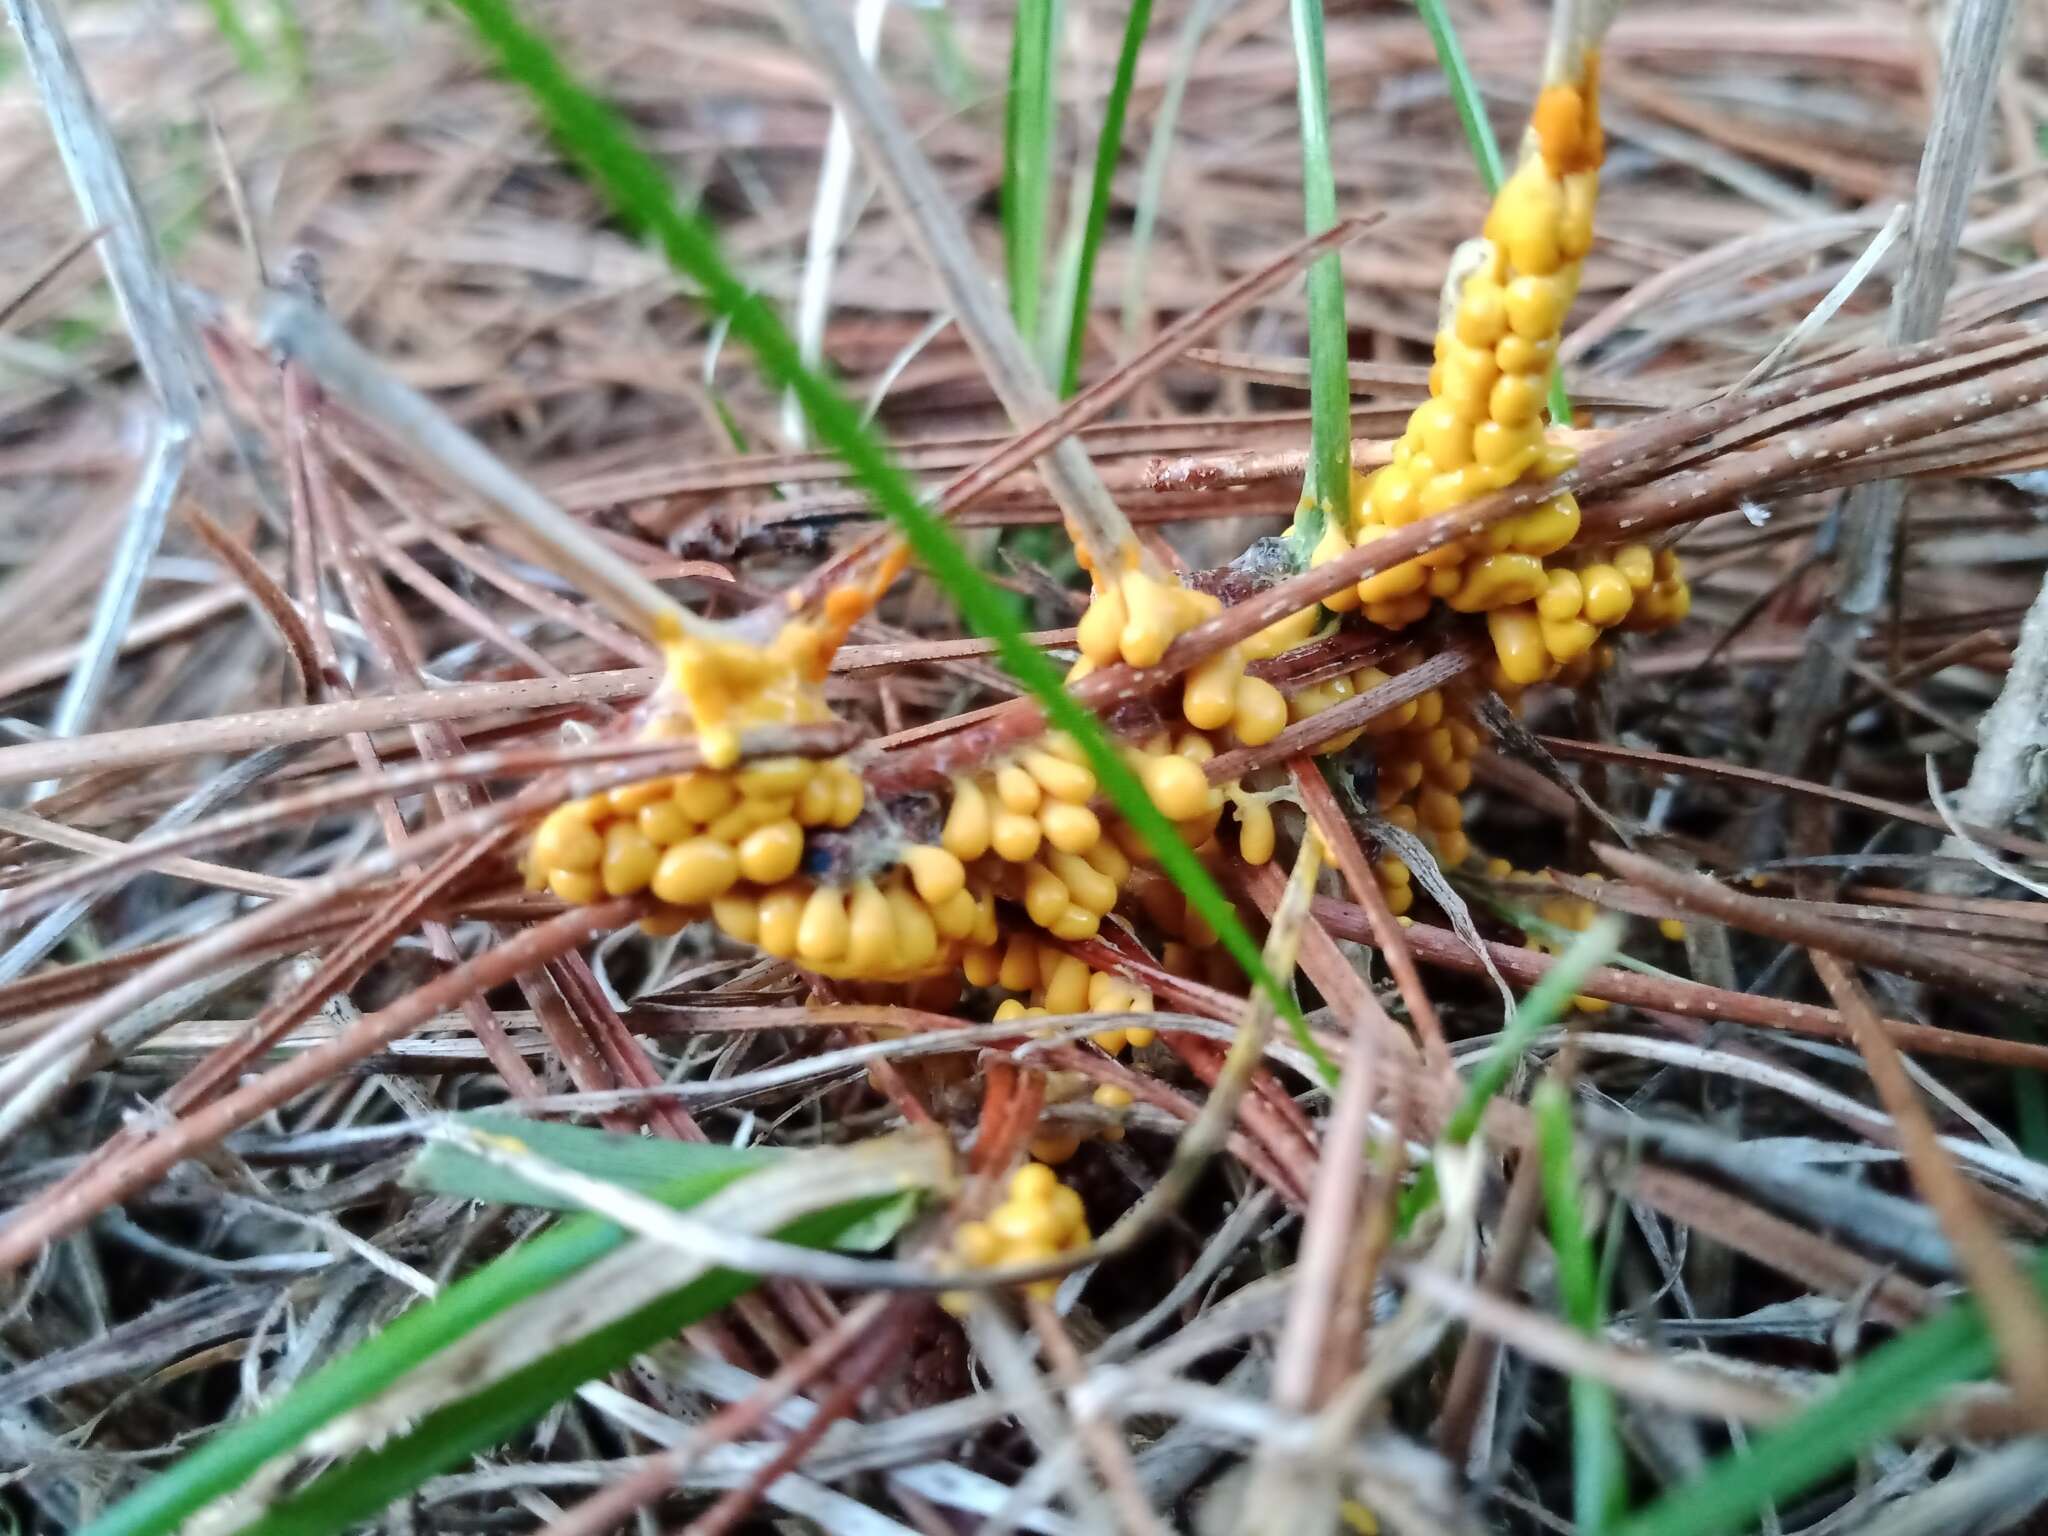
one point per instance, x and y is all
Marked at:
(227, 17)
(1328, 490)
(1028, 119)
(1540, 1008)
(1471, 109)
(1884, 1393)
(1465, 97)
(226, 1461)
(358, 1488)
(648, 1164)
(1108, 150)
(599, 142)
(955, 75)
(1597, 1471)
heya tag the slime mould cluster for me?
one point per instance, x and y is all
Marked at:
(1019, 855)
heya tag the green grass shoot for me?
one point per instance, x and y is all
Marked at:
(1541, 1006)
(1029, 120)
(1880, 1396)
(226, 1461)
(1597, 1470)
(1328, 490)
(1108, 151)
(227, 19)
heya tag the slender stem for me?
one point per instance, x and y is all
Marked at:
(1027, 159)
(1450, 58)
(1108, 149)
(1329, 340)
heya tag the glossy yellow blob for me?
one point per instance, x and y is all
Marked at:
(738, 917)
(771, 778)
(1536, 306)
(1209, 697)
(1516, 400)
(1177, 786)
(1497, 581)
(782, 912)
(1393, 495)
(771, 853)
(1070, 828)
(1637, 565)
(1066, 984)
(1059, 777)
(1258, 711)
(917, 936)
(1608, 595)
(630, 857)
(1521, 356)
(1445, 436)
(1085, 884)
(1518, 644)
(746, 816)
(818, 801)
(704, 797)
(980, 965)
(665, 822)
(1563, 595)
(1568, 639)
(1100, 632)
(1526, 220)
(958, 916)
(1255, 833)
(823, 928)
(1296, 629)
(1153, 619)
(1508, 448)
(1038, 1219)
(567, 841)
(1402, 580)
(1017, 790)
(1015, 837)
(937, 874)
(694, 871)
(1546, 529)
(629, 798)
(1045, 894)
(850, 795)
(576, 886)
(967, 829)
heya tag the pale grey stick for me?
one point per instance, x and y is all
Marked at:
(156, 327)
(935, 224)
(1869, 517)
(296, 328)
(828, 212)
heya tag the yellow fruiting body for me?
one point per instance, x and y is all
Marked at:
(1039, 1218)
(1024, 857)
(1481, 429)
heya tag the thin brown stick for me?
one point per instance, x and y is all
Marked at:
(2012, 1307)
(47, 1218)
(652, 1476)
(1669, 994)
(1789, 922)
(263, 591)
(1329, 820)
